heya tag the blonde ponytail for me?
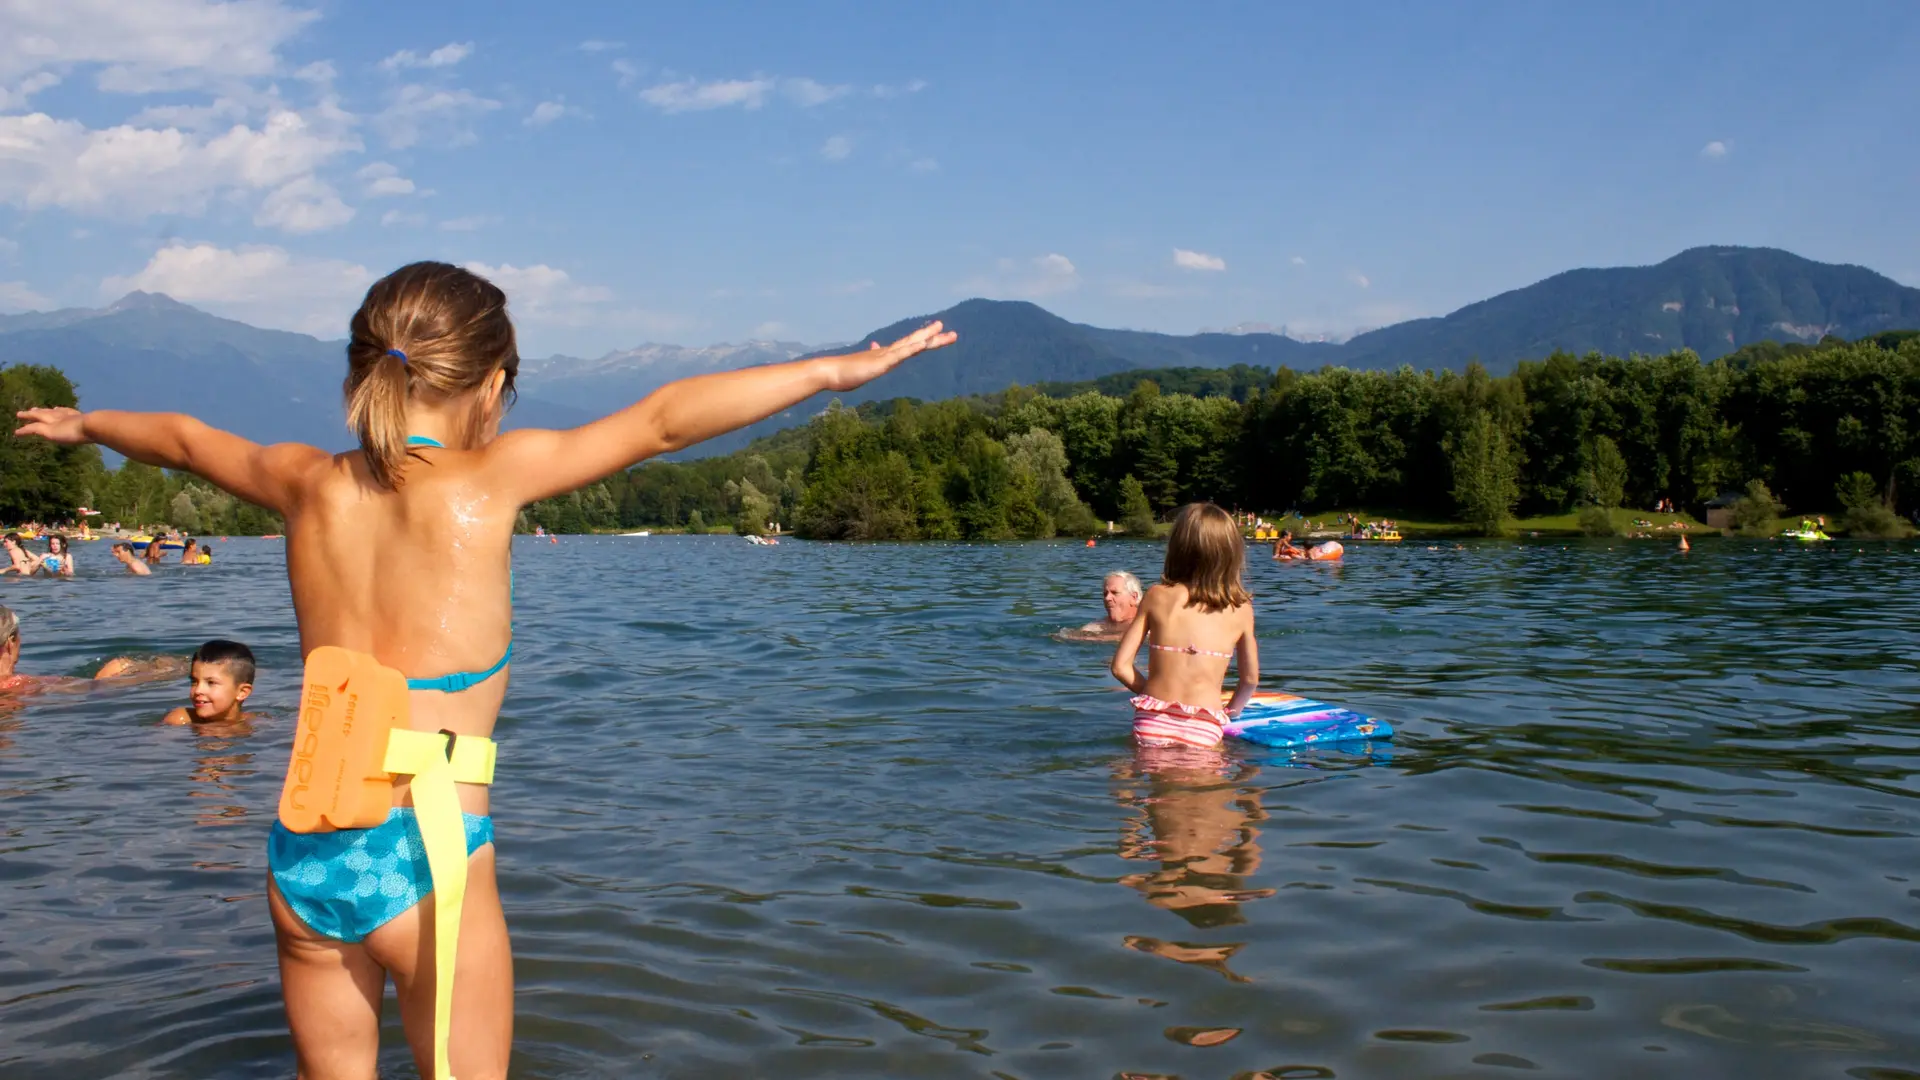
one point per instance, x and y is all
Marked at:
(427, 331)
(377, 415)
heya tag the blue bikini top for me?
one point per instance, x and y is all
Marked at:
(460, 680)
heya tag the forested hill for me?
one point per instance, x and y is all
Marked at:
(1711, 300)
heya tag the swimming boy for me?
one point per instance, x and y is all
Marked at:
(124, 552)
(221, 678)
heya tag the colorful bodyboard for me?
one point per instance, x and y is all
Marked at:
(1288, 721)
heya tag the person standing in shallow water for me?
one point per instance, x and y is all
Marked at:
(431, 366)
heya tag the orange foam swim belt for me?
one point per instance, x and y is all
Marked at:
(349, 703)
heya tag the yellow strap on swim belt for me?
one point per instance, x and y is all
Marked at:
(437, 761)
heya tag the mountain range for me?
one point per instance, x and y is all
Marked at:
(147, 351)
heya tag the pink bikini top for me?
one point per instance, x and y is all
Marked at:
(1190, 650)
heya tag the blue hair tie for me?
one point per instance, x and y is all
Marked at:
(397, 353)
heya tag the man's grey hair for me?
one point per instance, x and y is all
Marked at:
(1127, 581)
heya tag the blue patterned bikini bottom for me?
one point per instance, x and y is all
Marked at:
(349, 883)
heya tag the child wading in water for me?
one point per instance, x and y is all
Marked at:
(1195, 620)
(430, 370)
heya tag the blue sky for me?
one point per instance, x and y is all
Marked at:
(714, 172)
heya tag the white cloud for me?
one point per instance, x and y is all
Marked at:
(445, 56)
(629, 72)
(546, 113)
(429, 114)
(885, 91)
(145, 46)
(1043, 275)
(602, 46)
(807, 93)
(306, 205)
(924, 165)
(770, 329)
(850, 288)
(402, 217)
(541, 293)
(381, 179)
(836, 148)
(9, 247)
(1716, 149)
(1360, 279)
(471, 223)
(693, 95)
(17, 296)
(1197, 260)
(689, 95)
(130, 171)
(265, 286)
(1297, 261)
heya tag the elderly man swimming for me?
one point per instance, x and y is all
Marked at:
(1121, 592)
(120, 668)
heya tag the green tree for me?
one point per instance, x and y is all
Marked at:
(696, 523)
(182, 514)
(1606, 476)
(1867, 513)
(1485, 478)
(1136, 513)
(1041, 456)
(1757, 510)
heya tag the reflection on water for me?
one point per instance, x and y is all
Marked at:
(839, 811)
(1198, 818)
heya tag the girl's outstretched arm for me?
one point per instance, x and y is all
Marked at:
(1125, 653)
(533, 465)
(263, 475)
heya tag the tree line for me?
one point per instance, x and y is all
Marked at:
(1817, 427)
(1810, 428)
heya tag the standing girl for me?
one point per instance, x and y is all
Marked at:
(430, 370)
(1193, 622)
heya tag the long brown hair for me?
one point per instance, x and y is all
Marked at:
(428, 330)
(1207, 555)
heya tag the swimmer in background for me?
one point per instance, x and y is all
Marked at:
(118, 668)
(190, 552)
(1120, 592)
(58, 561)
(19, 559)
(220, 678)
(153, 553)
(1284, 547)
(1193, 622)
(124, 552)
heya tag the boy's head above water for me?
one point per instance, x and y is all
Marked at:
(222, 680)
(434, 337)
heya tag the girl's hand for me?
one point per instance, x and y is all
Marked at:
(64, 426)
(858, 369)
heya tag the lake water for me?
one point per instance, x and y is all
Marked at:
(844, 811)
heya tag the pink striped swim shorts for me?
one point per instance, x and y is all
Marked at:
(1170, 723)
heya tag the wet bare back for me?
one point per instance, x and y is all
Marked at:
(426, 589)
